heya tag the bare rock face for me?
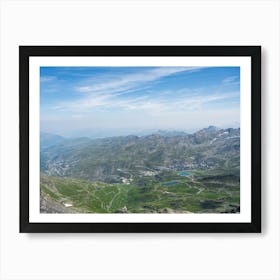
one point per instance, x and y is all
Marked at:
(47, 205)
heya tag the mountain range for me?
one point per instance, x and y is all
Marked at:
(164, 172)
(102, 159)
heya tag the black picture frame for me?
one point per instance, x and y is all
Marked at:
(254, 52)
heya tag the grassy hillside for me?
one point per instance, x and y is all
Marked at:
(199, 193)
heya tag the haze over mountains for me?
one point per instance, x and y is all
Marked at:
(48, 139)
(52, 138)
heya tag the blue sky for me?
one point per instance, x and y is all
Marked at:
(107, 101)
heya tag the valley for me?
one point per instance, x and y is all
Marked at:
(157, 173)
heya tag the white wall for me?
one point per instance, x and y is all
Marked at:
(139, 256)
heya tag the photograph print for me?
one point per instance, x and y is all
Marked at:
(140, 139)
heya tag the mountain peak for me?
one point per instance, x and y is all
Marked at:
(209, 129)
(212, 128)
(170, 133)
(48, 139)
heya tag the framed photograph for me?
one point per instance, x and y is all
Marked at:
(140, 138)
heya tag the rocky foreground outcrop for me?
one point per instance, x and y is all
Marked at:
(47, 205)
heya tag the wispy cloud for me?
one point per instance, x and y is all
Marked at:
(231, 80)
(149, 104)
(124, 82)
(106, 91)
(44, 79)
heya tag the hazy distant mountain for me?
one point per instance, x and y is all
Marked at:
(211, 128)
(48, 139)
(170, 133)
(99, 133)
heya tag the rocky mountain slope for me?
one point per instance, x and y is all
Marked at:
(111, 159)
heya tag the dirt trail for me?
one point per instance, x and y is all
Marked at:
(200, 190)
(113, 198)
